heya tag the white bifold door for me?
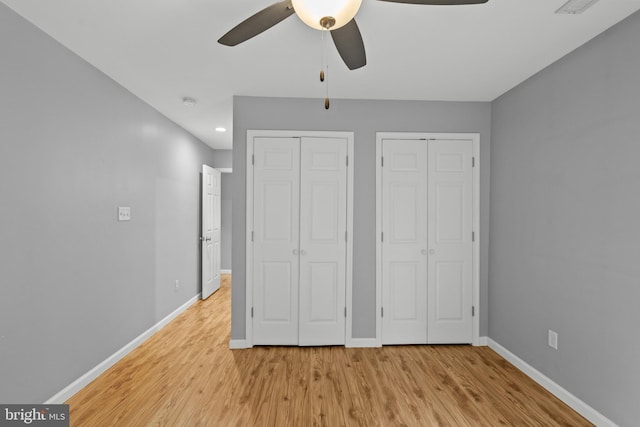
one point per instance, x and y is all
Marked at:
(299, 240)
(427, 219)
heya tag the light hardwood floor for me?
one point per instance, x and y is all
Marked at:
(185, 375)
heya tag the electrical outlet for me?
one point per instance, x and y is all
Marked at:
(553, 339)
(124, 213)
(177, 285)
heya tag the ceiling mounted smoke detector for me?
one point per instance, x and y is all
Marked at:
(574, 7)
(188, 101)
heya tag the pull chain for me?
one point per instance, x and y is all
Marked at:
(322, 55)
(324, 75)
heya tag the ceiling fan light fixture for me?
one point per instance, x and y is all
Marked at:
(318, 13)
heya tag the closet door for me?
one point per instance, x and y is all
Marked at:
(450, 241)
(323, 225)
(404, 251)
(276, 237)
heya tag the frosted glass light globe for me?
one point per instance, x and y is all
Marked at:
(312, 11)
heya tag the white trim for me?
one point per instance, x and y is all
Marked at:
(225, 271)
(67, 392)
(378, 239)
(576, 404)
(238, 344)
(248, 296)
(478, 236)
(475, 138)
(251, 135)
(224, 170)
(482, 342)
(363, 343)
(349, 266)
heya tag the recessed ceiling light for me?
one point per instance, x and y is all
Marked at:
(574, 7)
(189, 102)
(220, 129)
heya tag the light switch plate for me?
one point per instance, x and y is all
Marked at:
(124, 213)
(553, 339)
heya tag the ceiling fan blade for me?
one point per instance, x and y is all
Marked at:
(348, 41)
(438, 2)
(255, 24)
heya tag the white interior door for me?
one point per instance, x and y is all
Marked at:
(450, 269)
(276, 226)
(404, 251)
(210, 231)
(323, 226)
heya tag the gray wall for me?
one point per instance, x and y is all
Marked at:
(77, 285)
(364, 118)
(224, 159)
(226, 223)
(565, 239)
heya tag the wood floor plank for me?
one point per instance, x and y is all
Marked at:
(185, 375)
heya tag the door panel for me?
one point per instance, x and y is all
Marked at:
(323, 286)
(276, 238)
(404, 224)
(449, 213)
(324, 198)
(279, 207)
(404, 291)
(323, 216)
(449, 291)
(450, 243)
(276, 303)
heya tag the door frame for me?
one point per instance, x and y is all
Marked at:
(475, 138)
(251, 135)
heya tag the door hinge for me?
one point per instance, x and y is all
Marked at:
(473, 311)
(381, 311)
(345, 312)
(473, 236)
(253, 159)
(473, 162)
(251, 311)
(382, 161)
(382, 236)
(252, 235)
(345, 236)
(347, 161)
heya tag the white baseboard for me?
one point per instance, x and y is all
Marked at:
(225, 271)
(578, 405)
(67, 392)
(237, 344)
(362, 343)
(482, 342)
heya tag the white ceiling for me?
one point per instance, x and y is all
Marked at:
(164, 50)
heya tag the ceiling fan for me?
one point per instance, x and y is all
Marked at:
(336, 16)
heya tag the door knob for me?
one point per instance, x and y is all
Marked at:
(424, 252)
(303, 252)
(431, 252)
(207, 239)
(295, 251)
